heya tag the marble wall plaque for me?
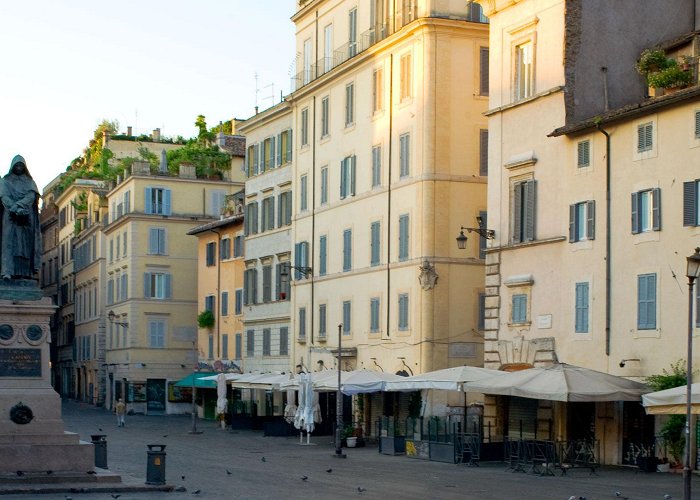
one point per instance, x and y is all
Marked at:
(20, 362)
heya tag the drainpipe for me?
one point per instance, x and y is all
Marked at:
(388, 195)
(607, 238)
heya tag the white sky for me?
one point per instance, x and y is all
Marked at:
(67, 64)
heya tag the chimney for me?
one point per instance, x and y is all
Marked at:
(234, 125)
(221, 140)
(156, 135)
(128, 131)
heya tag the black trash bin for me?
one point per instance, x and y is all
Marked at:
(99, 441)
(155, 468)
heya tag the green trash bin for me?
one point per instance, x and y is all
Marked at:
(155, 467)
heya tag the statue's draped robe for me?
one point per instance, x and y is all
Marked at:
(20, 247)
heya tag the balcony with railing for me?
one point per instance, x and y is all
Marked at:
(366, 39)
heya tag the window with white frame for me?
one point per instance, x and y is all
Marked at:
(209, 301)
(157, 285)
(285, 209)
(374, 324)
(267, 221)
(347, 177)
(403, 311)
(347, 250)
(302, 324)
(322, 319)
(322, 255)
(483, 71)
(646, 211)
(301, 259)
(250, 286)
(376, 166)
(303, 192)
(403, 237)
(284, 341)
(308, 56)
(404, 155)
(375, 235)
(524, 70)
(157, 241)
(378, 90)
(158, 201)
(524, 206)
(347, 317)
(211, 253)
(225, 249)
(328, 48)
(250, 218)
(519, 308)
(582, 221)
(352, 32)
(305, 127)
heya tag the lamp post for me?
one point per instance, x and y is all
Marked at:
(693, 273)
(339, 404)
(194, 390)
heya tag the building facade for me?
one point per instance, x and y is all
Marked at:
(390, 146)
(567, 278)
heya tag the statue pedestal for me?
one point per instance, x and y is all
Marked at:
(32, 436)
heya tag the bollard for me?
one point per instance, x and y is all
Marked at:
(155, 468)
(100, 444)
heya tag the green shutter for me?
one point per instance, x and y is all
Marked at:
(690, 200)
(656, 209)
(635, 213)
(590, 220)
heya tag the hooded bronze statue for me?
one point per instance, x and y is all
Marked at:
(20, 247)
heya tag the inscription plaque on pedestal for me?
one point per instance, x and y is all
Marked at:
(20, 362)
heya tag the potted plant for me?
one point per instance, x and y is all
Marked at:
(350, 438)
(205, 319)
(650, 61)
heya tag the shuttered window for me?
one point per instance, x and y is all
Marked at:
(484, 152)
(157, 241)
(347, 177)
(325, 116)
(524, 205)
(519, 306)
(403, 311)
(250, 286)
(645, 137)
(251, 218)
(347, 250)
(582, 302)
(239, 301)
(157, 285)
(374, 314)
(267, 341)
(646, 211)
(211, 253)
(324, 185)
(267, 283)
(284, 341)
(268, 214)
(158, 201)
(282, 280)
(347, 317)
(305, 127)
(322, 321)
(239, 346)
(404, 155)
(691, 207)
(224, 303)
(250, 343)
(483, 71)
(481, 313)
(376, 166)
(225, 249)
(406, 76)
(303, 192)
(583, 154)
(284, 209)
(209, 303)
(374, 243)
(403, 237)
(378, 90)
(482, 240)
(349, 104)
(322, 255)
(224, 346)
(210, 346)
(238, 246)
(156, 333)
(646, 302)
(301, 259)
(302, 323)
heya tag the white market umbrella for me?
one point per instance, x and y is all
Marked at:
(229, 376)
(448, 379)
(304, 416)
(365, 381)
(561, 382)
(672, 401)
(221, 402)
(290, 408)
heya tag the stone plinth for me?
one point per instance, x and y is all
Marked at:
(32, 436)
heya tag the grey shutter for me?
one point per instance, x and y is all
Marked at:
(690, 201)
(273, 152)
(297, 260)
(246, 220)
(635, 213)
(590, 220)
(518, 212)
(483, 152)
(152, 240)
(530, 205)
(148, 200)
(322, 255)
(254, 274)
(352, 175)
(147, 285)
(640, 138)
(267, 284)
(280, 200)
(167, 202)
(484, 71)
(648, 138)
(288, 203)
(271, 213)
(168, 285)
(343, 176)
(403, 237)
(572, 223)
(656, 209)
(289, 145)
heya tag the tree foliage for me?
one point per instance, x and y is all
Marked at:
(668, 379)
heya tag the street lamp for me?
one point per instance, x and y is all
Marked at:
(339, 403)
(489, 234)
(693, 273)
(194, 390)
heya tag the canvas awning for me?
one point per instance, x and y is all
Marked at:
(196, 380)
(561, 382)
(449, 379)
(672, 401)
(261, 380)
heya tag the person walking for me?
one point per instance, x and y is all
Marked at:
(120, 408)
